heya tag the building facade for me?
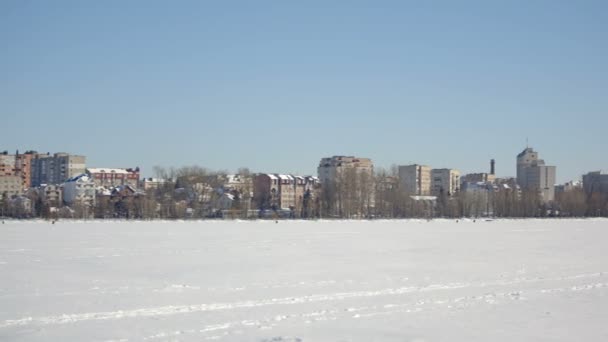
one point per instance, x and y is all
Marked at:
(10, 186)
(595, 182)
(7, 164)
(415, 179)
(152, 183)
(79, 190)
(112, 177)
(56, 168)
(23, 167)
(284, 192)
(533, 174)
(332, 169)
(478, 177)
(51, 194)
(445, 182)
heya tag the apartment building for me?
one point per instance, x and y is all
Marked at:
(112, 177)
(56, 168)
(415, 179)
(280, 191)
(332, 169)
(533, 174)
(10, 185)
(445, 182)
(23, 167)
(51, 194)
(595, 182)
(7, 164)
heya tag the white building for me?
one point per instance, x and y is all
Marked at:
(152, 183)
(79, 189)
(533, 174)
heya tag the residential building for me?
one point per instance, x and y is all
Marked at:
(333, 169)
(415, 179)
(348, 184)
(533, 174)
(568, 186)
(445, 181)
(52, 194)
(23, 167)
(478, 177)
(152, 183)
(112, 177)
(7, 164)
(56, 168)
(237, 182)
(79, 190)
(10, 185)
(287, 192)
(595, 182)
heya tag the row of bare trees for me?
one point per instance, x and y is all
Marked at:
(193, 192)
(356, 195)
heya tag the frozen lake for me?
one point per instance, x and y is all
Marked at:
(519, 280)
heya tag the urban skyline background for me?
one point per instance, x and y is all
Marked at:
(276, 86)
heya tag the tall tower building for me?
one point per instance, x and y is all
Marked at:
(532, 173)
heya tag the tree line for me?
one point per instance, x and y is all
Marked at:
(196, 193)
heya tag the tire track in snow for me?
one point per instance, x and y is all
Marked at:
(170, 310)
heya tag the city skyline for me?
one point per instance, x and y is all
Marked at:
(274, 87)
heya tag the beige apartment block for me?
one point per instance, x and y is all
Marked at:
(333, 168)
(415, 179)
(445, 182)
(10, 186)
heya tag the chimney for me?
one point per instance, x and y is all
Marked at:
(492, 163)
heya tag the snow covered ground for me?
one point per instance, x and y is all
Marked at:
(511, 280)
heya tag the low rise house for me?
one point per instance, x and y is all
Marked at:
(79, 190)
(285, 192)
(51, 194)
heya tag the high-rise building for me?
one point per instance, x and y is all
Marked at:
(595, 182)
(445, 182)
(7, 164)
(23, 167)
(348, 184)
(55, 169)
(333, 168)
(533, 174)
(415, 179)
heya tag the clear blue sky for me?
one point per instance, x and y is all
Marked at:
(276, 85)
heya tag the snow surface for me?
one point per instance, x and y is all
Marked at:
(511, 280)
